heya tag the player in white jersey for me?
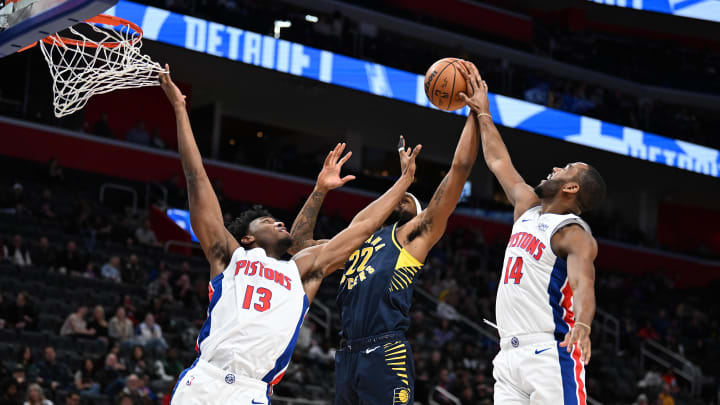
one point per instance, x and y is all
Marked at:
(257, 300)
(546, 298)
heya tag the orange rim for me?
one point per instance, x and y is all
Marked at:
(99, 19)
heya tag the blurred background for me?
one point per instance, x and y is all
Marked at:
(94, 227)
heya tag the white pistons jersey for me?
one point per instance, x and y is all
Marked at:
(257, 305)
(534, 295)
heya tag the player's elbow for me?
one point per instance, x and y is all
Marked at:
(462, 167)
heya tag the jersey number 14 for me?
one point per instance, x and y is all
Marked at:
(516, 272)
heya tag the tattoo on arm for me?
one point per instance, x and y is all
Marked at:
(426, 224)
(302, 229)
(440, 191)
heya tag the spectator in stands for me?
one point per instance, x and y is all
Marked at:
(73, 398)
(51, 373)
(21, 314)
(18, 201)
(138, 134)
(130, 309)
(172, 364)
(10, 394)
(55, 172)
(150, 335)
(75, 324)
(18, 254)
(112, 376)
(111, 269)
(4, 312)
(160, 287)
(647, 332)
(136, 391)
(183, 291)
(100, 228)
(44, 254)
(132, 273)
(101, 127)
(85, 378)
(666, 397)
(20, 376)
(3, 256)
(138, 363)
(36, 396)
(45, 206)
(443, 334)
(98, 322)
(70, 259)
(145, 235)
(120, 327)
(24, 357)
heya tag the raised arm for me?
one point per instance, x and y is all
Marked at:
(519, 193)
(205, 215)
(328, 179)
(420, 234)
(319, 261)
(580, 249)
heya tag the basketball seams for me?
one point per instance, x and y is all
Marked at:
(452, 89)
(432, 90)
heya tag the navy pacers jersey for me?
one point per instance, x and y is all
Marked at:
(376, 287)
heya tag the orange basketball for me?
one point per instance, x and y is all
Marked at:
(443, 82)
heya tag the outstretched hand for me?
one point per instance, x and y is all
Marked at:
(174, 95)
(581, 337)
(407, 157)
(329, 177)
(477, 90)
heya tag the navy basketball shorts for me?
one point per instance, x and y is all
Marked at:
(378, 370)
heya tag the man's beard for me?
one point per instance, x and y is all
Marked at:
(283, 244)
(548, 189)
(399, 216)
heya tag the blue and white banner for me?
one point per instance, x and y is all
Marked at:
(182, 219)
(700, 9)
(288, 57)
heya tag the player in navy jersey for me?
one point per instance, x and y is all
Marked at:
(546, 299)
(374, 364)
(257, 299)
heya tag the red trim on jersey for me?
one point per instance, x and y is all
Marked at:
(578, 375)
(566, 303)
(275, 381)
(211, 291)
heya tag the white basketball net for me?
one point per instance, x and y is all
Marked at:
(91, 66)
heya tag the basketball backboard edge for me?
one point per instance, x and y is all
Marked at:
(47, 19)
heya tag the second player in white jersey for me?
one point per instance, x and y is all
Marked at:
(546, 298)
(534, 295)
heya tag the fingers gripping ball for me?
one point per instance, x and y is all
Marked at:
(443, 82)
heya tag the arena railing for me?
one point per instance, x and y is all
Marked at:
(444, 38)
(492, 335)
(445, 394)
(680, 365)
(119, 187)
(325, 323)
(609, 328)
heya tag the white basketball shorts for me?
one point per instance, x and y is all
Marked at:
(533, 369)
(205, 384)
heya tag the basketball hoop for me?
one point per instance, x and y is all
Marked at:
(82, 66)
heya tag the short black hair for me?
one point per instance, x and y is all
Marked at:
(592, 189)
(239, 226)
